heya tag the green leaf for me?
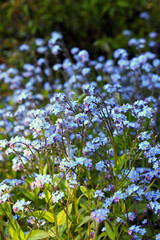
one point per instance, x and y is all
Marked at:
(46, 215)
(85, 220)
(106, 8)
(80, 198)
(61, 217)
(82, 233)
(110, 231)
(36, 234)
(21, 234)
(14, 229)
(36, 192)
(83, 189)
(13, 222)
(29, 195)
(78, 238)
(122, 3)
(45, 169)
(84, 206)
(82, 96)
(3, 223)
(52, 232)
(91, 193)
(13, 233)
(120, 163)
(102, 235)
(6, 207)
(47, 194)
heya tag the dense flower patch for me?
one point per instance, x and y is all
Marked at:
(82, 138)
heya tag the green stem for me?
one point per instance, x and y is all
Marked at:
(120, 233)
(55, 219)
(8, 217)
(132, 147)
(75, 206)
(150, 185)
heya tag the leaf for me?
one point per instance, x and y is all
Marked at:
(14, 229)
(52, 232)
(6, 207)
(3, 223)
(80, 198)
(106, 8)
(82, 96)
(45, 169)
(49, 216)
(13, 222)
(46, 214)
(37, 190)
(13, 233)
(29, 195)
(120, 162)
(21, 234)
(101, 235)
(122, 3)
(110, 231)
(85, 220)
(79, 238)
(36, 234)
(84, 206)
(82, 233)
(102, 44)
(83, 189)
(47, 194)
(61, 217)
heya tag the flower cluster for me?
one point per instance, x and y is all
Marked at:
(81, 142)
(20, 205)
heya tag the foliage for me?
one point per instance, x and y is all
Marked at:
(102, 20)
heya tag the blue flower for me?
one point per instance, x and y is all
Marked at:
(88, 89)
(41, 49)
(39, 41)
(144, 145)
(24, 47)
(133, 176)
(41, 61)
(20, 205)
(98, 193)
(131, 189)
(131, 216)
(100, 215)
(81, 118)
(57, 196)
(49, 132)
(56, 36)
(144, 15)
(74, 50)
(158, 236)
(100, 166)
(86, 71)
(55, 49)
(120, 53)
(83, 56)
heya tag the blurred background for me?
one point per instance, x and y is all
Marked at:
(96, 25)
